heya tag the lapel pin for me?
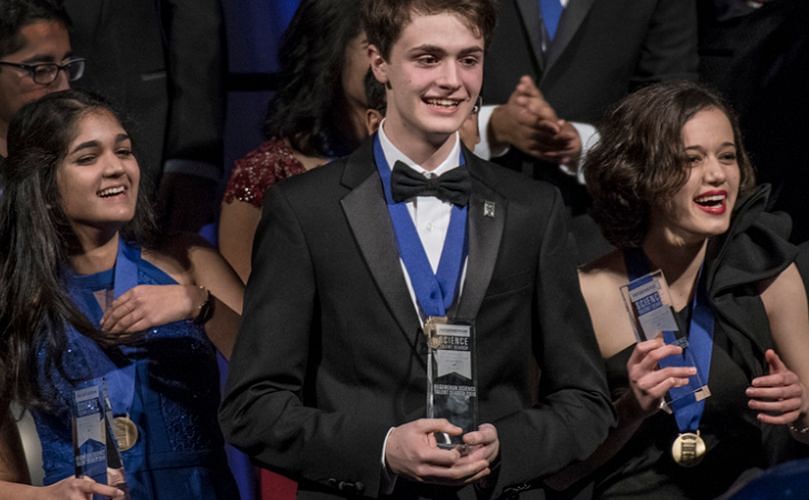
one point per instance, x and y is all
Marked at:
(488, 208)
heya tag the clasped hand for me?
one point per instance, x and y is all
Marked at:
(529, 123)
(412, 452)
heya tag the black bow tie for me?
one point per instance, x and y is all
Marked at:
(452, 186)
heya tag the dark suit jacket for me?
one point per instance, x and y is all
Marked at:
(603, 50)
(162, 62)
(330, 354)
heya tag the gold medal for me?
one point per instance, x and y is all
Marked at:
(688, 449)
(126, 432)
(430, 330)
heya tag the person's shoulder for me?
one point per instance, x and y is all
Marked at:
(332, 179)
(604, 273)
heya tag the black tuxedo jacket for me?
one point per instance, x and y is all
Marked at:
(603, 50)
(330, 354)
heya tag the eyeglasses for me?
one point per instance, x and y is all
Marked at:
(46, 73)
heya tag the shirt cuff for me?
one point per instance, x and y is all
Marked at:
(388, 478)
(191, 167)
(483, 149)
(588, 136)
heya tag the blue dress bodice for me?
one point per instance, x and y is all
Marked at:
(179, 452)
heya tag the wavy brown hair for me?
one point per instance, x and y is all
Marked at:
(640, 159)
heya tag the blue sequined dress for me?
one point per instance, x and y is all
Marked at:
(179, 453)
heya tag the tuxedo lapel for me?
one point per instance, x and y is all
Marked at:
(572, 18)
(529, 15)
(487, 212)
(369, 220)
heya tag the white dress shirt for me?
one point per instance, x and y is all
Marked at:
(431, 218)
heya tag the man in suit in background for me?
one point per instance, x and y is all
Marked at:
(581, 57)
(162, 62)
(328, 379)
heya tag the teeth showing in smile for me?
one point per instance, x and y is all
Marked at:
(711, 200)
(105, 193)
(446, 103)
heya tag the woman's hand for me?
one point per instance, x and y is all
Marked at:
(78, 488)
(649, 383)
(779, 397)
(147, 306)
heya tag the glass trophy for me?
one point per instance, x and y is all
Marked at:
(89, 434)
(648, 303)
(116, 475)
(451, 378)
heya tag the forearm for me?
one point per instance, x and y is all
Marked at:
(541, 441)
(222, 327)
(628, 422)
(17, 491)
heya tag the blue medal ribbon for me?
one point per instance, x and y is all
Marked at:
(434, 292)
(687, 411)
(124, 276)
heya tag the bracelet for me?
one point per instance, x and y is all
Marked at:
(803, 430)
(205, 310)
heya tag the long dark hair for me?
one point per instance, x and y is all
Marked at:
(640, 160)
(311, 57)
(35, 238)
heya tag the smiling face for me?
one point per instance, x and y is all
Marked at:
(702, 206)
(98, 177)
(45, 41)
(433, 77)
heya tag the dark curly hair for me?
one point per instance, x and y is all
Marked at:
(36, 238)
(384, 20)
(311, 56)
(640, 157)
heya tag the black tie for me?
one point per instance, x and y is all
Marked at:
(452, 186)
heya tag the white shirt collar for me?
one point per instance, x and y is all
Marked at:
(393, 154)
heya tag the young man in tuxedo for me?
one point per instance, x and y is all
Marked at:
(328, 379)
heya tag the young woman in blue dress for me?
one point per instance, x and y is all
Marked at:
(88, 295)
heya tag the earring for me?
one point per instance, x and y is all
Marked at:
(478, 105)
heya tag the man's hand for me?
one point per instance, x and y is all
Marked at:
(412, 452)
(484, 442)
(529, 123)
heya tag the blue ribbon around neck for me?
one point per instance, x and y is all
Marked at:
(687, 411)
(120, 381)
(434, 292)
